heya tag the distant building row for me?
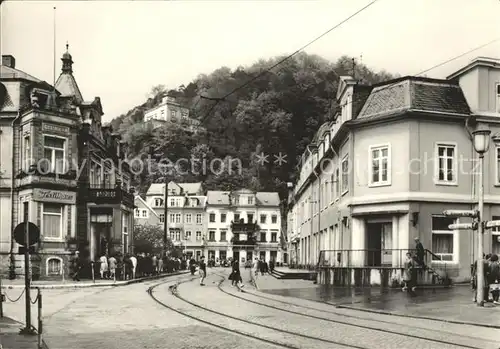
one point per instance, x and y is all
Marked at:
(221, 224)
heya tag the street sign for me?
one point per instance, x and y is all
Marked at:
(20, 234)
(22, 250)
(462, 226)
(492, 224)
(461, 213)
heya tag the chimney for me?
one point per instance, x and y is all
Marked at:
(9, 61)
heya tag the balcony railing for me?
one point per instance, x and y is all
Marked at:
(103, 195)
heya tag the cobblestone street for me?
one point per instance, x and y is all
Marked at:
(127, 317)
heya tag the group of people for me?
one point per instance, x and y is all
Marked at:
(491, 285)
(260, 265)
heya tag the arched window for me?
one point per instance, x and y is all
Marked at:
(54, 266)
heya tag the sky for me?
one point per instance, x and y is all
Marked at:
(123, 48)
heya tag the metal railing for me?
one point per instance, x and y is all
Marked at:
(373, 258)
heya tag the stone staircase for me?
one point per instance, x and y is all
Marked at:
(294, 275)
(430, 276)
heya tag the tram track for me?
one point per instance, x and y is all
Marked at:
(367, 327)
(290, 335)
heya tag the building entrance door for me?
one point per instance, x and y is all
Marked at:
(101, 236)
(378, 244)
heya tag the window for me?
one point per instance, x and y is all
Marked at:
(345, 174)
(337, 183)
(194, 202)
(498, 98)
(223, 218)
(27, 153)
(443, 237)
(188, 235)
(137, 213)
(497, 165)
(495, 237)
(188, 217)
(54, 266)
(144, 214)
(172, 218)
(379, 167)
(162, 113)
(162, 218)
(212, 217)
(274, 237)
(446, 167)
(198, 236)
(158, 202)
(177, 218)
(222, 236)
(172, 202)
(52, 221)
(174, 115)
(26, 207)
(211, 235)
(236, 217)
(236, 200)
(263, 219)
(54, 149)
(263, 237)
(172, 234)
(178, 235)
(274, 219)
(198, 218)
(250, 217)
(250, 200)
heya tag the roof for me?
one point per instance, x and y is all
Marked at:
(66, 84)
(12, 73)
(414, 93)
(141, 200)
(215, 197)
(321, 132)
(478, 61)
(188, 188)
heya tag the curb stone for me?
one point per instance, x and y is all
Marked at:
(101, 284)
(381, 312)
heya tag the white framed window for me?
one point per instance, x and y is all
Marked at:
(198, 236)
(497, 87)
(172, 218)
(54, 266)
(446, 163)
(495, 237)
(54, 150)
(250, 200)
(188, 217)
(158, 202)
(26, 153)
(497, 165)
(162, 218)
(380, 168)
(198, 218)
(274, 219)
(52, 221)
(137, 213)
(263, 219)
(178, 235)
(144, 213)
(187, 235)
(212, 217)
(178, 218)
(444, 240)
(194, 202)
(345, 174)
(173, 202)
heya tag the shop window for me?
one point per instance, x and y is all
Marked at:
(54, 266)
(52, 222)
(443, 241)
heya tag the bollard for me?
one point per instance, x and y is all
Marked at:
(40, 325)
(93, 272)
(62, 271)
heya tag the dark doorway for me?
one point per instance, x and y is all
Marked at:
(373, 244)
(236, 256)
(249, 256)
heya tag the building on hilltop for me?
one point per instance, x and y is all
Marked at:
(397, 155)
(145, 214)
(185, 213)
(53, 172)
(171, 111)
(244, 225)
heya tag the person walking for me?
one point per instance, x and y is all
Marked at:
(485, 285)
(256, 268)
(494, 278)
(203, 270)
(134, 265)
(103, 266)
(408, 275)
(76, 264)
(112, 267)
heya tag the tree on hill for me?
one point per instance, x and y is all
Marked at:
(278, 112)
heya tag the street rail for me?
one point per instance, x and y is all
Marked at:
(174, 292)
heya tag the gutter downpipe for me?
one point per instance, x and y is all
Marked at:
(12, 188)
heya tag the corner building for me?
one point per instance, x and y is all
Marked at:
(397, 155)
(47, 132)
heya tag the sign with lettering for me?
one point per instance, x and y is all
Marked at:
(55, 128)
(59, 196)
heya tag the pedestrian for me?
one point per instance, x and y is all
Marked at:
(76, 265)
(112, 263)
(203, 270)
(485, 285)
(494, 278)
(271, 265)
(420, 253)
(192, 265)
(134, 265)
(408, 275)
(262, 266)
(103, 266)
(236, 279)
(256, 267)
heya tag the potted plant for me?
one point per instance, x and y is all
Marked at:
(72, 242)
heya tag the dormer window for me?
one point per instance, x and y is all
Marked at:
(194, 202)
(250, 200)
(158, 202)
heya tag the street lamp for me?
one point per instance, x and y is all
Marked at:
(481, 146)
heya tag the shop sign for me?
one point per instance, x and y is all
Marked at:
(58, 196)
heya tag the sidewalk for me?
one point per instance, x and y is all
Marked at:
(19, 283)
(11, 339)
(452, 305)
